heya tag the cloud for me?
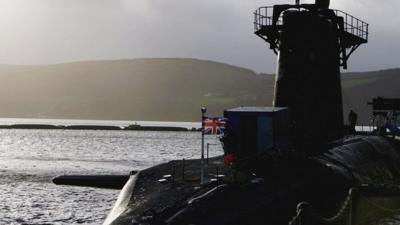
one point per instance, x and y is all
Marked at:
(137, 7)
(51, 31)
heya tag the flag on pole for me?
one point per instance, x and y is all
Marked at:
(214, 126)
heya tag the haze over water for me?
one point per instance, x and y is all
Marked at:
(29, 159)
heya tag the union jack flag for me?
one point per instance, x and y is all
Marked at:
(214, 126)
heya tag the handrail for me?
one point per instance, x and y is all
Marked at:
(353, 25)
(263, 17)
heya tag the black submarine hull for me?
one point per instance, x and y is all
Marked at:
(323, 181)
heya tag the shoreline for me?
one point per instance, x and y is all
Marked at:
(134, 127)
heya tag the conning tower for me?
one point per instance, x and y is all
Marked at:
(312, 43)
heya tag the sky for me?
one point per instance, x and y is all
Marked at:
(57, 31)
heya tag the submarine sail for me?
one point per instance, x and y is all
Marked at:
(311, 42)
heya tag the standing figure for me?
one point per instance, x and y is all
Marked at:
(353, 121)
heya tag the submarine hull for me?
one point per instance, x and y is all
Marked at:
(271, 198)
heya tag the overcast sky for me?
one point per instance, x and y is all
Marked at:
(54, 31)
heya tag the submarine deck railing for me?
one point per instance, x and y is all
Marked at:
(352, 25)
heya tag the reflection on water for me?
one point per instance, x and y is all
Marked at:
(30, 158)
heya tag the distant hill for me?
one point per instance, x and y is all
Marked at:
(156, 89)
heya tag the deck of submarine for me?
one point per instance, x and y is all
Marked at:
(160, 201)
(152, 196)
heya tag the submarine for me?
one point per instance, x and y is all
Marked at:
(293, 163)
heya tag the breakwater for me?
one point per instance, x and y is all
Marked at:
(97, 127)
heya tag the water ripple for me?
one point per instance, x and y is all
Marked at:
(30, 158)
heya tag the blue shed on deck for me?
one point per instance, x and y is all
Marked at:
(253, 131)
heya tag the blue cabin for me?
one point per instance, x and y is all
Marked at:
(254, 131)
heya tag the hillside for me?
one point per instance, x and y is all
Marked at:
(155, 89)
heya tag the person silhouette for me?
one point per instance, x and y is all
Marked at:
(353, 121)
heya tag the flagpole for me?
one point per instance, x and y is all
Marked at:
(203, 114)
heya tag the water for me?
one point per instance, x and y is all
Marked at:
(29, 159)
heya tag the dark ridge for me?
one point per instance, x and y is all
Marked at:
(33, 126)
(92, 127)
(95, 127)
(155, 128)
(98, 181)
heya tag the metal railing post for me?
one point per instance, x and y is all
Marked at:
(208, 146)
(203, 116)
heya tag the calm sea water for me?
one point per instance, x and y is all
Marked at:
(29, 159)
